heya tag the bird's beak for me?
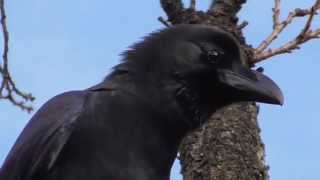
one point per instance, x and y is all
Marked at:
(251, 85)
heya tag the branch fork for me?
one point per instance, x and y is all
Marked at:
(263, 51)
(8, 88)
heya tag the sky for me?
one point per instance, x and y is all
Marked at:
(58, 46)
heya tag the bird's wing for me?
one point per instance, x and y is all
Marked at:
(42, 140)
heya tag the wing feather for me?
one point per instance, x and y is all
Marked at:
(44, 137)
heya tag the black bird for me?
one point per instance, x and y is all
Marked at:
(129, 126)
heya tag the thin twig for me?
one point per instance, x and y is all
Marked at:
(226, 7)
(306, 28)
(305, 35)
(276, 14)
(243, 25)
(172, 8)
(164, 22)
(8, 89)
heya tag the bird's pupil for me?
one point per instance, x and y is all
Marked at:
(213, 53)
(213, 56)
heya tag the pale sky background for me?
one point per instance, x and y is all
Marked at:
(59, 45)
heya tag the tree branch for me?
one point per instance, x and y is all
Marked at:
(164, 22)
(8, 89)
(305, 35)
(172, 8)
(226, 7)
(228, 146)
(276, 14)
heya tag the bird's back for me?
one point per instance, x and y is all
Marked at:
(84, 135)
(42, 140)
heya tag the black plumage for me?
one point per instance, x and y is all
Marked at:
(129, 126)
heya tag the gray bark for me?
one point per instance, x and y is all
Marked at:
(228, 146)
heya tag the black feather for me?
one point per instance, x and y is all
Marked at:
(129, 126)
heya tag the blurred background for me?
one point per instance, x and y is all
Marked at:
(59, 46)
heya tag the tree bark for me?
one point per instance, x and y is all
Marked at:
(228, 146)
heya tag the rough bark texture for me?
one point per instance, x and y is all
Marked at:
(228, 146)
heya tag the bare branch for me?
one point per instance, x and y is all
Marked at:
(276, 14)
(307, 26)
(226, 7)
(243, 25)
(164, 22)
(305, 35)
(8, 89)
(172, 7)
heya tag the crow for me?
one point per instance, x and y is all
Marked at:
(130, 125)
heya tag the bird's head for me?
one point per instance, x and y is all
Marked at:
(209, 60)
(206, 64)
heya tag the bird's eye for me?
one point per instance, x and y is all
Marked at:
(213, 56)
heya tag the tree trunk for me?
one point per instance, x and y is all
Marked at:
(228, 146)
